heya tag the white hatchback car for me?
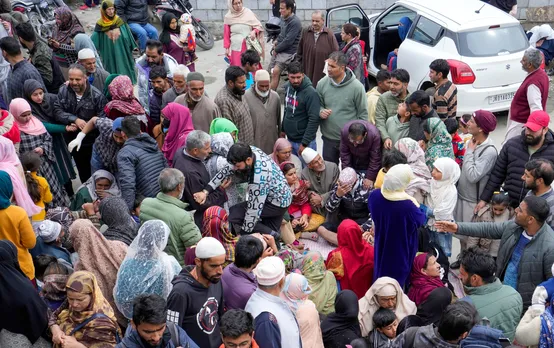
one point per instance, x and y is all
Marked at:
(482, 44)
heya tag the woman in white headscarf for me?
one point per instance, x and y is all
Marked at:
(540, 32)
(384, 293)
(147, 269)
(396, 218)
(101, 184)
(442, 200)
(419, 185)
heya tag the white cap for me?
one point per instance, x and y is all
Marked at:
(309, 154)
(261, 75)
(48, 230)
(209, 247)
(86, 53)
(269, 271)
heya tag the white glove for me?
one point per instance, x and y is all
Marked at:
(76, 142)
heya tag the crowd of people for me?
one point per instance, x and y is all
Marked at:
(212, 223)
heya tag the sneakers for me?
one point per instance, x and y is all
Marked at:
(84, 7)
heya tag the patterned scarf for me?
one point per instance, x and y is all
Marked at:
(68, 27)
(440, 144)
(216, 225)
(123, 98)
(106, 23)
(54, 287)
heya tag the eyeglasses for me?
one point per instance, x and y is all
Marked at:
(357, 142)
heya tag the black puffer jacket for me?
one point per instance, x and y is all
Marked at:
(132, 11)
(510, 165)
(140, 163)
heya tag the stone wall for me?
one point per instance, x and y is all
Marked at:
(214, 10)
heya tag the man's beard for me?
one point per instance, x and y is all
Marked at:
(532, 141)
(78, 89)
(158, 90)
(243, 175)
(196, 99)
(151, 64)
(210, 279)
(532, 186)
(238, 91)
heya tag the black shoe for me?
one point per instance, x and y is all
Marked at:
(455, 265)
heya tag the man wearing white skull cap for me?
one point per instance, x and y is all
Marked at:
(196, 300)
(322, 175)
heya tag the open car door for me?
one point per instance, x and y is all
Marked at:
(351, 13)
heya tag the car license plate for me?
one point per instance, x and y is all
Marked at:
(499, 98)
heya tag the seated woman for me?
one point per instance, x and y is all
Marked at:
(282, 152)
(425, 278)
(99, 256)
(34, 137)
(404, 25)
(352, 261)
(220, 125)
(536, 327)
(347, 200)
(24, 317)
(216, 225)
(114, 40)
(42, 107)
(322, 282)
(384, 293)
(53, 290)
(295, 294)
(342, 327)
(100, 185)
(419, 185)
(89, 320)
(177, 119)
(300, 209)
(121, 225)
(147, 269)
(49, 241)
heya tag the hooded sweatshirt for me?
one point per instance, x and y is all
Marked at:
(426, 336)
(346, 100)
(196, 309)
(301, 118)
(140, 162)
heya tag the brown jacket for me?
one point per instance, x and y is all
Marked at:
(313, 54)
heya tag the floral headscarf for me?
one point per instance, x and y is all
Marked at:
(322, 282)
(69, 26)
(85, 282)
(216, 225)
(123, 97)
(440, 144)
(295, 291)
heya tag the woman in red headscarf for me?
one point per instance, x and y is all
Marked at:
(424, 278)
(352, 261)
(177, 124)
(123, 101)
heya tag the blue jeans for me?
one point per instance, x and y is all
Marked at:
(296, 146)
(143, 32)
(96, 162)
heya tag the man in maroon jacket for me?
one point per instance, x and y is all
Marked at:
(531, 95)
(360, 149)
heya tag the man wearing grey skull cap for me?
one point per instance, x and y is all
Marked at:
(275, 323)
(202, 108)
(49, 241)
(196, 300)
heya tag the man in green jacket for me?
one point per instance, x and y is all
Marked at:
(526, 252)
(342, 99)
(500, 304)
(168, 207)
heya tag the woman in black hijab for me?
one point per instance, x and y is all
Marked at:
(342, 327)
(55, 122)
(121, 226)
(23, 314)
(430, 311)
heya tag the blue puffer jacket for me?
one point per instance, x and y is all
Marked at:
(133, 340)
(140, 163)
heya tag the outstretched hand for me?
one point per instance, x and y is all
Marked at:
(446, 226)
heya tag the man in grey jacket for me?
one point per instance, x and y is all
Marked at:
(479, 160)
(526, 252)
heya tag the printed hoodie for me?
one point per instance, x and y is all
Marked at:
(196, 309)
(301, 118)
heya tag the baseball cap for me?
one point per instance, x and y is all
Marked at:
(116, 125)
(538, 120)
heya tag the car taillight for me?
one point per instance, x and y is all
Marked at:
(461, 72)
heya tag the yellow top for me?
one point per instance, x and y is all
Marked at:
(45, 196)
(16, 227)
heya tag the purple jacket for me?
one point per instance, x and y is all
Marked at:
(366, 155)
(238, 286)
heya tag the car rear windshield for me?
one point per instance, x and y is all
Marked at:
(492, 42)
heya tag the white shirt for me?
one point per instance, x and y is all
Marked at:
(534, 98)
